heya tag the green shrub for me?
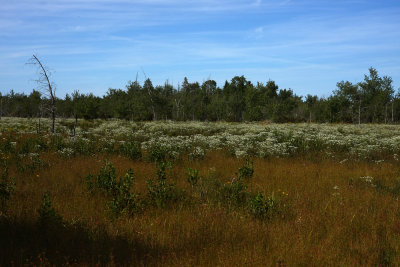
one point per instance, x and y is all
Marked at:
(131, 150)
(123, 199)
(31, 162)
(282, 136)
(160, 193)
(47, 214)
(262, 207)
(28, 145)
(157, 153)
(233, 194)
(57, 142)
(84, 146)
(247, 170)
(7, 187)
(109, 146)
(197, 153)
(7, 144)
(105, 181)
(192, 176)
(209, 189)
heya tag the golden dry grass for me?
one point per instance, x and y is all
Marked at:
(332, 216)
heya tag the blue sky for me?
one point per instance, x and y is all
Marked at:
(93, 45)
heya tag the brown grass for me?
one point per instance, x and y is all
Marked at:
(356, 224)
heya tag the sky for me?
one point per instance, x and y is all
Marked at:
(94, 45)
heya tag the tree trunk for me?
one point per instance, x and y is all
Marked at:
(178, 105)
(50, 90)
(53, 118)
(40, 116)
(359, 114)
(154, 113)
(392, 113)
(38, 127)
(386, 113)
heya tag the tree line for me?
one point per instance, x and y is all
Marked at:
(372, 100)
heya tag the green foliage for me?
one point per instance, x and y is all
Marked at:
(198, 153)
(192, 176)
(288, 102)
(6, 144)
(31, 162)
(47, 214)
(371, 100)
(247, 170)
(235, 97)
(57, 142)
(282, 136)
(29, 145)
(7, 187)
(262, 207)
(157, 153)
(396, 189)
(209, 189)
(160, 193)
(105, 181)
(109, 146)
(131, 149)
(123, 199)
(233, 194)
(84, 146)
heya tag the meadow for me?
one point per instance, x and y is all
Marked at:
(198, 194)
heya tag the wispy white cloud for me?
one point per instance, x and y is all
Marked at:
(260, 39)
(98, 5)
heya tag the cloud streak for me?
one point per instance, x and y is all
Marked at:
(318, 44)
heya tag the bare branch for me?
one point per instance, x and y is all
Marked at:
(48, 87)
(44, 78)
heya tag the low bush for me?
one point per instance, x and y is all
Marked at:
(157, 153)
(131, 150)
(47, 214)
(123, 199)
(7, 187)
(160, 193)
(247, 170)
(192, 176)
(262, 207)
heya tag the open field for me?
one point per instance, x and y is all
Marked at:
(208, 194)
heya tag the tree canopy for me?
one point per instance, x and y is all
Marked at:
(372, 100)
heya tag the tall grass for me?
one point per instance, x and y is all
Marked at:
(327, 213)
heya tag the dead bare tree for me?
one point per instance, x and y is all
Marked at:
(48, 88)
(1, 105)
(40, 114)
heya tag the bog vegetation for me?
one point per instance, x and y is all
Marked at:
(117, 192)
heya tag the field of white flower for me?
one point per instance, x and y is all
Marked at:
(369, 141)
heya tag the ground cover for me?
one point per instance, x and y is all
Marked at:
(122, 193)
